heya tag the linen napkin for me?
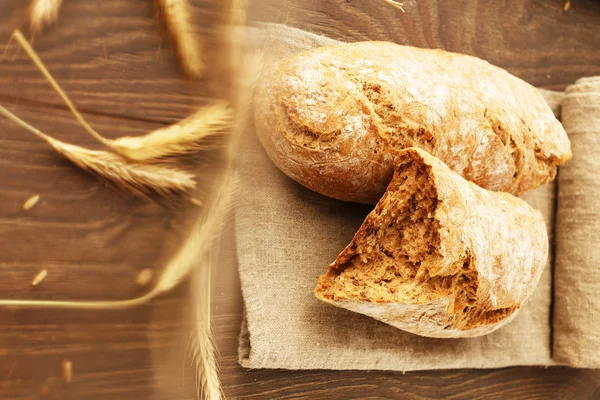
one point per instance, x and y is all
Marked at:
(287, 235)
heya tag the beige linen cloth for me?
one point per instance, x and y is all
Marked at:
(286, 236)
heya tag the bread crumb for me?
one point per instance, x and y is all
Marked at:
(39, 277)
(31, 202)
(144, 277)
(567, 5)
(67, 370)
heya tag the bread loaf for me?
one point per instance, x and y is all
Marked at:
(439, 256)
(333, 118)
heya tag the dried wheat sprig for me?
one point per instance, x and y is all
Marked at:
(396, 4)
(43, 13)
(142, 179)
(183, 137)
(180, 138)
(200, 239)
(177, 17)
(202, 347)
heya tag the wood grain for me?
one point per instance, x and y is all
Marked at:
(533, 39)
(114, 61)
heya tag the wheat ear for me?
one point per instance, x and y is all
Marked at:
(177, 17)
(142, 179)
(182, 137)
(43, 13)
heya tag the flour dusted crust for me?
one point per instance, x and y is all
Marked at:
(439, 256)
(333, 119)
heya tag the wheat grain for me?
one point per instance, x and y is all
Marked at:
(43, 13)
(144, 277)
(196, 202)
(30, 202)
(177, 17)
(66, 367)
(180, 138)
(39, 277)
(142, 179)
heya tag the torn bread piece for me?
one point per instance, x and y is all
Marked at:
(439, 256)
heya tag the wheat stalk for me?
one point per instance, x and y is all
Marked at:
(182, 137)
(177, 16)
(43, 13)
(142, 179)
(202, 347)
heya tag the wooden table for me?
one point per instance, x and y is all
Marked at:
(113, 60)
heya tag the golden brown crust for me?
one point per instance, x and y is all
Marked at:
(470, 269)
(333, 118)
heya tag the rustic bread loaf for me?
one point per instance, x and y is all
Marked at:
(439, 256)
(333, 118)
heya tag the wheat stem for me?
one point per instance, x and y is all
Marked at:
(182, 137)
(24, 124)
(34, 57)
(95, 305)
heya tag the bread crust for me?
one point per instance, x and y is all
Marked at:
(495, 239)
(333, 119)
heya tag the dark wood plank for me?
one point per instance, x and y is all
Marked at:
(94, 240)
(533, 39)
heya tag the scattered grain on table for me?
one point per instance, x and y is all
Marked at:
(196, 202)
(144, 277)
(30, 202)
(39, 277)
(66, 367)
